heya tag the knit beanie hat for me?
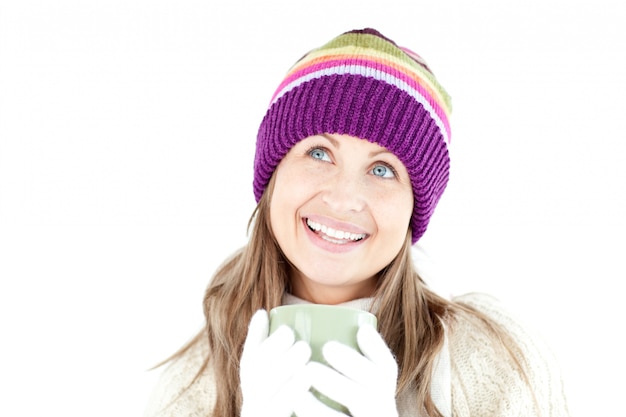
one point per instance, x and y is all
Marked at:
(364, 85)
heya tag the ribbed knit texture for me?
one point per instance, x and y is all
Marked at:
(364, 85)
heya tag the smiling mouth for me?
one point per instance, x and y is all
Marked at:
(329, 234)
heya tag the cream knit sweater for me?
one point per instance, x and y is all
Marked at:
(471, 379)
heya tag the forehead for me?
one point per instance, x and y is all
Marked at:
(339, 140)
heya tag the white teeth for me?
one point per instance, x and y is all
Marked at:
(332, 233)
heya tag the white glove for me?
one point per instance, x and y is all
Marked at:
(272, 370)
(364, 384)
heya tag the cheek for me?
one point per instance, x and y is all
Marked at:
(278, 208)
(295, 184)
(288, 195)
(394, 213)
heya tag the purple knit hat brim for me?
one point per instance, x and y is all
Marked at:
(368, 109)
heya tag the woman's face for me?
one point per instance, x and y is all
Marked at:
(340, 211)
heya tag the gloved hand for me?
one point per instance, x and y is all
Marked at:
(272, 369)
(365, 384)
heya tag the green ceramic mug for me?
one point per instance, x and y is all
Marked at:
(317, 324)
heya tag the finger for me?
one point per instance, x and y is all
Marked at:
(298, 354)
(349, 362)
(333, 384)
(258, 330)
(291, 391)
(374, 348)
(309, 406)
(293, 362)
(277, 344)
(280, 368)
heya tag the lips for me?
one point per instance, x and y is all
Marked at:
(333, 235)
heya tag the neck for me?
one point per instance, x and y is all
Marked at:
(331, 295)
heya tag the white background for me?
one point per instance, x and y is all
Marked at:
(127, 130)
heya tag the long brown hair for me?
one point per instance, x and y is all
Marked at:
(411, 317)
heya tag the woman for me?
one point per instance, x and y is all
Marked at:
(351, 160)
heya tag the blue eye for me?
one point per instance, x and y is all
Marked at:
(319, 153)
(383, 171)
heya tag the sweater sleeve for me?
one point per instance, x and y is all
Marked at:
(485, 381)
(173, 396)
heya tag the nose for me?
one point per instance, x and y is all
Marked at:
(345, 192)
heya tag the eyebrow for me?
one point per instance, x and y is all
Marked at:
(337, 144)
(332, 140)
